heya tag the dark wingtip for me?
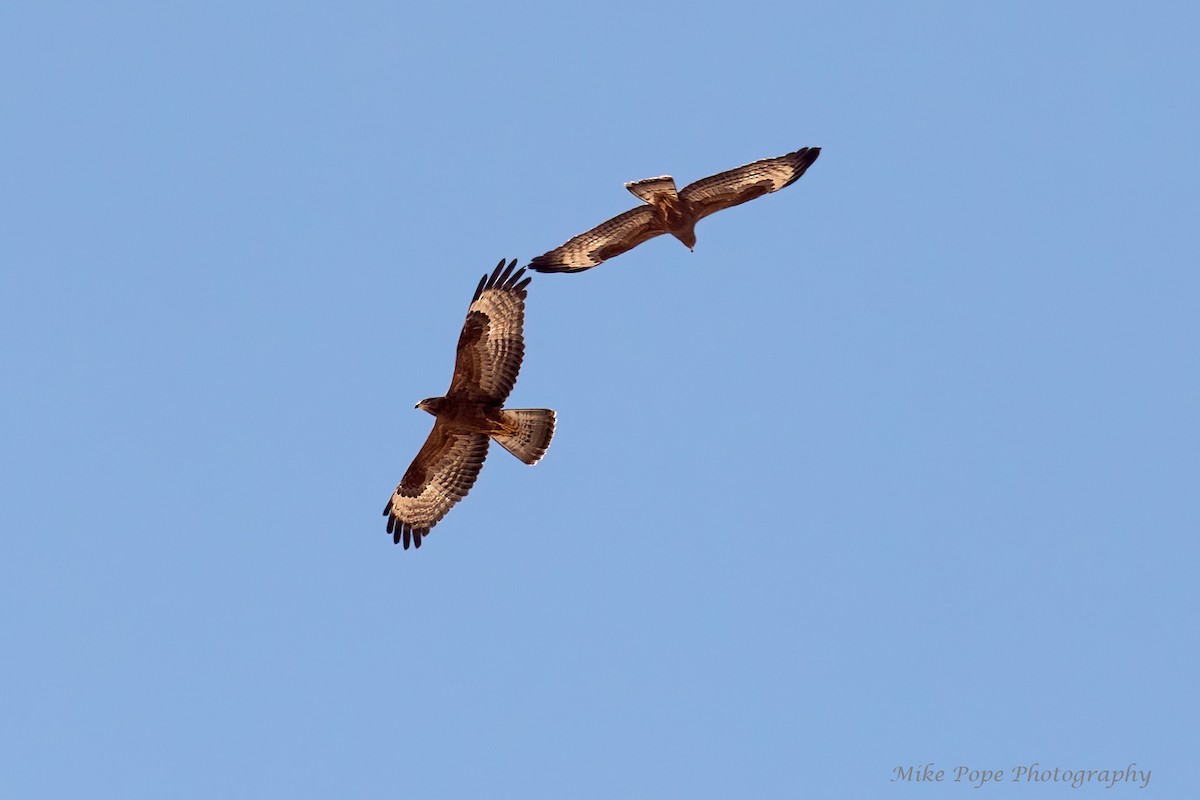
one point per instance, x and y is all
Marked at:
(503, 276)
(806, 157)
(545, 265)
(488, 280)
(479, 289)
(404, 533)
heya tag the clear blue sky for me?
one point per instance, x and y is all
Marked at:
(899, 466)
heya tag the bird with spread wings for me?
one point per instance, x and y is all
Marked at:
(490, 349)
(668, 211)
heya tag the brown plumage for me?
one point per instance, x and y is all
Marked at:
(490, 349)
(676, 213)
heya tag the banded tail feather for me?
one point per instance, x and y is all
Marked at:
(649, 188)
(533, 430)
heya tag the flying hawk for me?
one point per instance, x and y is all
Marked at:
(490, 349)
(674, 212)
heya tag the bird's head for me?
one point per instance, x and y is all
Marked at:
(431, 404)
(688, 237)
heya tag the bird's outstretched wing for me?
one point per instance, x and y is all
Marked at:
(442, 473)
(492, 343)
(602, 242)
(733, 187)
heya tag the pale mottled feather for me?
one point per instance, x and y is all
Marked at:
(736, 186)
(443, 472)
(492, 343)
(608, 239)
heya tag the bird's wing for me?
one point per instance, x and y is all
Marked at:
(492, 342)
(602, 242)
(441, 475)
(733, 187)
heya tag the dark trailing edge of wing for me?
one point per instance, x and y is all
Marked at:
(506, 280)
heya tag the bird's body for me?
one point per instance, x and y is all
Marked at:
(490, 350)
(675, 212)
(465, 414)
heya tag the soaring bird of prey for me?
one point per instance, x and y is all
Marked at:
(676, 213)
(490, 349)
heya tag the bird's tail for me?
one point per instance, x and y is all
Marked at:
(650, 188)
(533, 428)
